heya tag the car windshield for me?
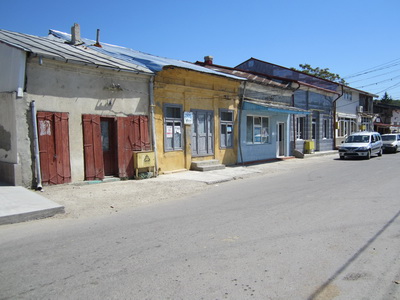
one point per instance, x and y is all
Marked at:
(358, 139)
(389, 138)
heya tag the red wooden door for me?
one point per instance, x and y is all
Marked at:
(92, 147)
(133, 135)
(53, 136)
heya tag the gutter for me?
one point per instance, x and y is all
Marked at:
(240, 121)
(334, 116)
(294, 119)
(153, 128)
(36, 148)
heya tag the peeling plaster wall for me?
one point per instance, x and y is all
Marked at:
(8, 144)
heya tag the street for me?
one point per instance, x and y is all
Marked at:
(327, 230)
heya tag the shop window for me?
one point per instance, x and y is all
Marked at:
(257, 131)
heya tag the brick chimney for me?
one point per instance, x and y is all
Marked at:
(208, 60)
(76, 35)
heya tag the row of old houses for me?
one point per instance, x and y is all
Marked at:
(75, 109)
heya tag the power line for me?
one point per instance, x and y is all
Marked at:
(374, 76)
(376, 68)
(375, 83)
(389, 88)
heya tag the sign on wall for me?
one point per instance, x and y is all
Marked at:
(188, 118)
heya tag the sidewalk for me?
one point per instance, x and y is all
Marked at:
(19, 204)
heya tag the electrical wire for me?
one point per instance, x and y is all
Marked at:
(375, 83)
(374, 69)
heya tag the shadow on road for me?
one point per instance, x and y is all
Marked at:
(352, 259)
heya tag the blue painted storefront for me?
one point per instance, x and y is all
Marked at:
(249, 152)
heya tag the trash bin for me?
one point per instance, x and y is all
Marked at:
(309, 147)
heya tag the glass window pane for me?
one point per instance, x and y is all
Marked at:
(229, 140)
(105, 135)
(249, 130)
(201, 124)
(265, 133)
(223, 136)
(173, 112)
(257, 134)
(226, 116)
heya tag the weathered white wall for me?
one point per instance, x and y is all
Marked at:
(15, 155)
(346, 106)
(75, 89)
(12, 66)
(395, 119)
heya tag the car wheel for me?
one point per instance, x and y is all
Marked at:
(368, 154)
(395, 149)
(341, 157)
(380, 152)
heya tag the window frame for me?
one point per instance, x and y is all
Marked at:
(327, 128)
(259, 128)
(346, 127)
(224, 138)
(301, 128)
(175, 121)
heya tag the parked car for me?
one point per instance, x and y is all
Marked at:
(391, 142)
(361, 144)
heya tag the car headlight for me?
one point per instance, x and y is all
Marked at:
(363, 148)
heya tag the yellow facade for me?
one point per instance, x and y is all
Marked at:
(194, 91)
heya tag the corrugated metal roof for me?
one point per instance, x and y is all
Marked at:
(264, 79)
(153, 62)
(59, 50)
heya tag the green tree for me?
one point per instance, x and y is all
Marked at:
(321, 73)
(386, 98)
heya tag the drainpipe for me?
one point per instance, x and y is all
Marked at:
(240, 122)
(334, 116)
(294, 120)
(153, 127)
(36, 148)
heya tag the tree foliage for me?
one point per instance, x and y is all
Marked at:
(386, 98)
(321, 73)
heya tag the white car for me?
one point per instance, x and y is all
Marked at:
(391, 142)
(361, 144)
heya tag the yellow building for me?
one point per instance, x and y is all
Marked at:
(195, 118)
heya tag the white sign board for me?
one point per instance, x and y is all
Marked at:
(187, 118)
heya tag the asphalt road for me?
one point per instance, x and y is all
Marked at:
(329, 230)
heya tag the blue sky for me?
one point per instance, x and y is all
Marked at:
(347, 36)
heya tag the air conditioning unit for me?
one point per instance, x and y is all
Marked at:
(360, 109)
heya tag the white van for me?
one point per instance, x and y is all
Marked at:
(361, 144)
(391, 142)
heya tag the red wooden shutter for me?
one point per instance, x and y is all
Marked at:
(93, 151)
(144, 133)
(54, 147)
(46, 146)
(135, 132)
(125, 146)
(62, 157)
